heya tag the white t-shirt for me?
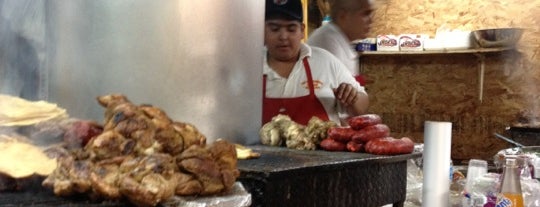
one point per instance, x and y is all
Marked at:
(332, 39)
(327, 73)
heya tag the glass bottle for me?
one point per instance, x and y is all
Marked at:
(510, 194)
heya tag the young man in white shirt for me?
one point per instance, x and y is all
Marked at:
(302, 81)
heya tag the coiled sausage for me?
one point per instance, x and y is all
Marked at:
(361, 121)
(389, 146)
(371, 132)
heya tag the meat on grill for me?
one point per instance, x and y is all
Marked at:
(145, 157)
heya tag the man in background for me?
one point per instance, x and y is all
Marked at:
(351, 21)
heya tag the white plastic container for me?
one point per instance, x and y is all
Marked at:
(431, 44)
(455, 40)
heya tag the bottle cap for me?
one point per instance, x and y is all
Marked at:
(510, 162)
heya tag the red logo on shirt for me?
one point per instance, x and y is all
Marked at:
(317, 84)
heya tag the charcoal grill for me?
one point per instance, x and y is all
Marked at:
(43, 197)
(525, 135)
(287, 177)
(31, 193)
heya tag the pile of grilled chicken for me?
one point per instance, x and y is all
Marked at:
(141, 155)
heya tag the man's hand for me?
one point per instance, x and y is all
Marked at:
(346, 94)
(349, 97)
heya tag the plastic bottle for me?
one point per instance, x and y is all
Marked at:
(510, 194)
(451, 171)
(536, 171)
(326, 19)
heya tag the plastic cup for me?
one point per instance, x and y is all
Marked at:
(476, 168)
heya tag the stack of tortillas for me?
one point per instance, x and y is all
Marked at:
(21, 160)
(15, 111)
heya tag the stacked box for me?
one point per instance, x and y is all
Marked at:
(387, 43)
(411, 42)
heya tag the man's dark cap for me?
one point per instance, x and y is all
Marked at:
(284, 9)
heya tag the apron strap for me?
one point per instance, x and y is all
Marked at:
(264, 86)
(309, 77)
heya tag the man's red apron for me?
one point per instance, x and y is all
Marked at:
(300, 109)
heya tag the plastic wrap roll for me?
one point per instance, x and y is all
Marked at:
(436, 164)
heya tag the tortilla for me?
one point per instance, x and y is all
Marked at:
(15, 111)
(21, 159)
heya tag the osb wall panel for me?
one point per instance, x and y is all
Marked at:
(410, 89)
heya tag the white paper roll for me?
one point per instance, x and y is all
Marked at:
(436, 164)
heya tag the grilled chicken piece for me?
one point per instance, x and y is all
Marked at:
(104, 179)
(129, 125)
(70, 177)
(206, 171)
(113, 104)
(155, 163)
(148, 180)
(190, 134)
(224, 154)
(111, 99)
(152, 189)
(187, 184)
(198, 161)
(133, 123)
(170, 140)
(107, 145)
(110, 102)
(158, 116)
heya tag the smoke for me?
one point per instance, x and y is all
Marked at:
(21, 42)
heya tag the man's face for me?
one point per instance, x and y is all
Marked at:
(283, 38)
(357, 21)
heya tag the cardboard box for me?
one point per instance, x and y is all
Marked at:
(368, 44)
(411, 42)
(387, 43)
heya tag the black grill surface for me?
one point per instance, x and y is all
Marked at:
(525, 135)
(287, 177)
(30, 192)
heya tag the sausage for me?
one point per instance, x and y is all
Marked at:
(341, 134)
(80, 132)
(353, 146)
(371, 132)
(330, 144)
(361, 121)
(389, 146)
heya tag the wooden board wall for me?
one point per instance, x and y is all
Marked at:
(408, 90)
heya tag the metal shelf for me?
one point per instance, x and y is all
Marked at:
(478, 52)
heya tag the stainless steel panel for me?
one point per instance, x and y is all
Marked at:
(200, 61)
(22, 48)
